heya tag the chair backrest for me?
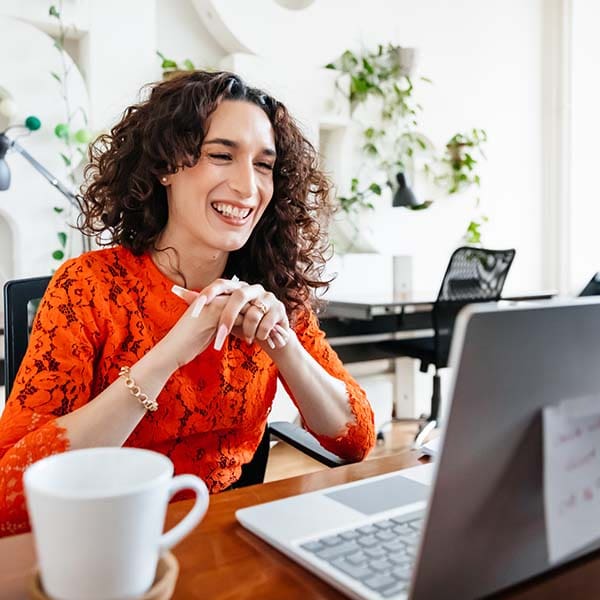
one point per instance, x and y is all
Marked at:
(19, 294)
(472, 275)
(592, 287)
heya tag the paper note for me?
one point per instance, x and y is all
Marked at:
(432, 447)
(571, 475)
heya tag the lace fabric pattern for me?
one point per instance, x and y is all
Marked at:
(106, 309)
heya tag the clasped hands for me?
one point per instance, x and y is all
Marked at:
(246, 311)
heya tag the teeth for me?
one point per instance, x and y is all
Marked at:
(233, 211)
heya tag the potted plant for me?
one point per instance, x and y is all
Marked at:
(392, 143)
(172, 68)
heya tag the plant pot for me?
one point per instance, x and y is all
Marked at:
(174, 73)
(456, 152)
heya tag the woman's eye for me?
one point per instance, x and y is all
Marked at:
(220, 156)
(264, 165)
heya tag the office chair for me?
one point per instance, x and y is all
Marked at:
(472, 275)
(19, 295)
(592, 287)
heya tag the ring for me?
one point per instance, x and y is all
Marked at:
(261, 306)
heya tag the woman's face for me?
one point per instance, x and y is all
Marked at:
(217, 203)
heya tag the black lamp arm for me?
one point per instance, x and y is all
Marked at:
(41, 169)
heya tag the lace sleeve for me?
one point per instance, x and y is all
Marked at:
(359, 437)
(43, 440)
(55, 377)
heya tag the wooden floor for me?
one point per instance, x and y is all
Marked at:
(285, 461)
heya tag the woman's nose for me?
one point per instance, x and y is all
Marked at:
(243, 180)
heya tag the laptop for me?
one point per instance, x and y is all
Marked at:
(473, 522)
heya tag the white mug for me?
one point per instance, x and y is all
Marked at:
(97, 517)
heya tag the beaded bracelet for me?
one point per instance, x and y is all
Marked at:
(136, 391)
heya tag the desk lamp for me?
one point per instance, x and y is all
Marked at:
(31, 124)
(404, 196)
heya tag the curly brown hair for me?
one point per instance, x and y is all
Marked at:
(124, 203)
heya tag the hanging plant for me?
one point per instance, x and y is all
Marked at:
(75, 143)
(171, 67)
(393, 143)
(461, 159)
(463, 152)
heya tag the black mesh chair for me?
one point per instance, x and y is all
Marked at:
(21, 298)
(592, 287)
(472, 275)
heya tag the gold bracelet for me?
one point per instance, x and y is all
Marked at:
(136, 391)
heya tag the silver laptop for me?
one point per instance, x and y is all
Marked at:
(479, 526)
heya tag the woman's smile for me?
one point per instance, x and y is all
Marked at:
(232, 214)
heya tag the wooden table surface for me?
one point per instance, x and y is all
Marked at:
(221, 560)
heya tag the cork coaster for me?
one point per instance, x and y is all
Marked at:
(162, 588)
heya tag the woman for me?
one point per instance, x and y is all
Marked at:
(173, 337)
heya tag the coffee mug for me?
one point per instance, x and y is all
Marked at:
(97, 517)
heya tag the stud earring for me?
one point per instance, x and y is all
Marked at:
(164, 180)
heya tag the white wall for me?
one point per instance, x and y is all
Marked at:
(485, 61)
(585, 102)
(484, 57)
(482, 78)
(181, 34)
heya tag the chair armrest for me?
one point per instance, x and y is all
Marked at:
(302, 440)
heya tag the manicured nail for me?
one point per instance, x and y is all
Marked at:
(200, 302)
(281, 330)
(178, 290)
(271, 343)
(248, 341)
(220, 337)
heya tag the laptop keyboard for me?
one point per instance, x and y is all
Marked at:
(380, 555)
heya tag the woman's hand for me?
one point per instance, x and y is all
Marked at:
(250, 313)
(264, 318)
(195, 329)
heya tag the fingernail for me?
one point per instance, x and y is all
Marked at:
(200, 302)
(178, 290)
(281, 330)
(235, 278)
(220, 338)
(271, 343)
(248, 341)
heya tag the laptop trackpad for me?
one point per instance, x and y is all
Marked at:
(373, 497)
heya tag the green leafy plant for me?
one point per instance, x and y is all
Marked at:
(393, 143)
(75, 142)
(170, 66)
(473, 234)
(359, 197)
(461, 158)
(463, 152)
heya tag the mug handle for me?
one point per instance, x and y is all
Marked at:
(177, 533)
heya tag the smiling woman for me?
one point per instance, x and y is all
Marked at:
(218, 202)
(173, 337)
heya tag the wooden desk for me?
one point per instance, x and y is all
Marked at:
(220, 560)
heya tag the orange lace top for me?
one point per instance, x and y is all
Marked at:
(106, 309)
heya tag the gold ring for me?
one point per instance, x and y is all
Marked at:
(262, 307)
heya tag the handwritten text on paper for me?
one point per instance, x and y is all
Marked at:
(571, 475)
